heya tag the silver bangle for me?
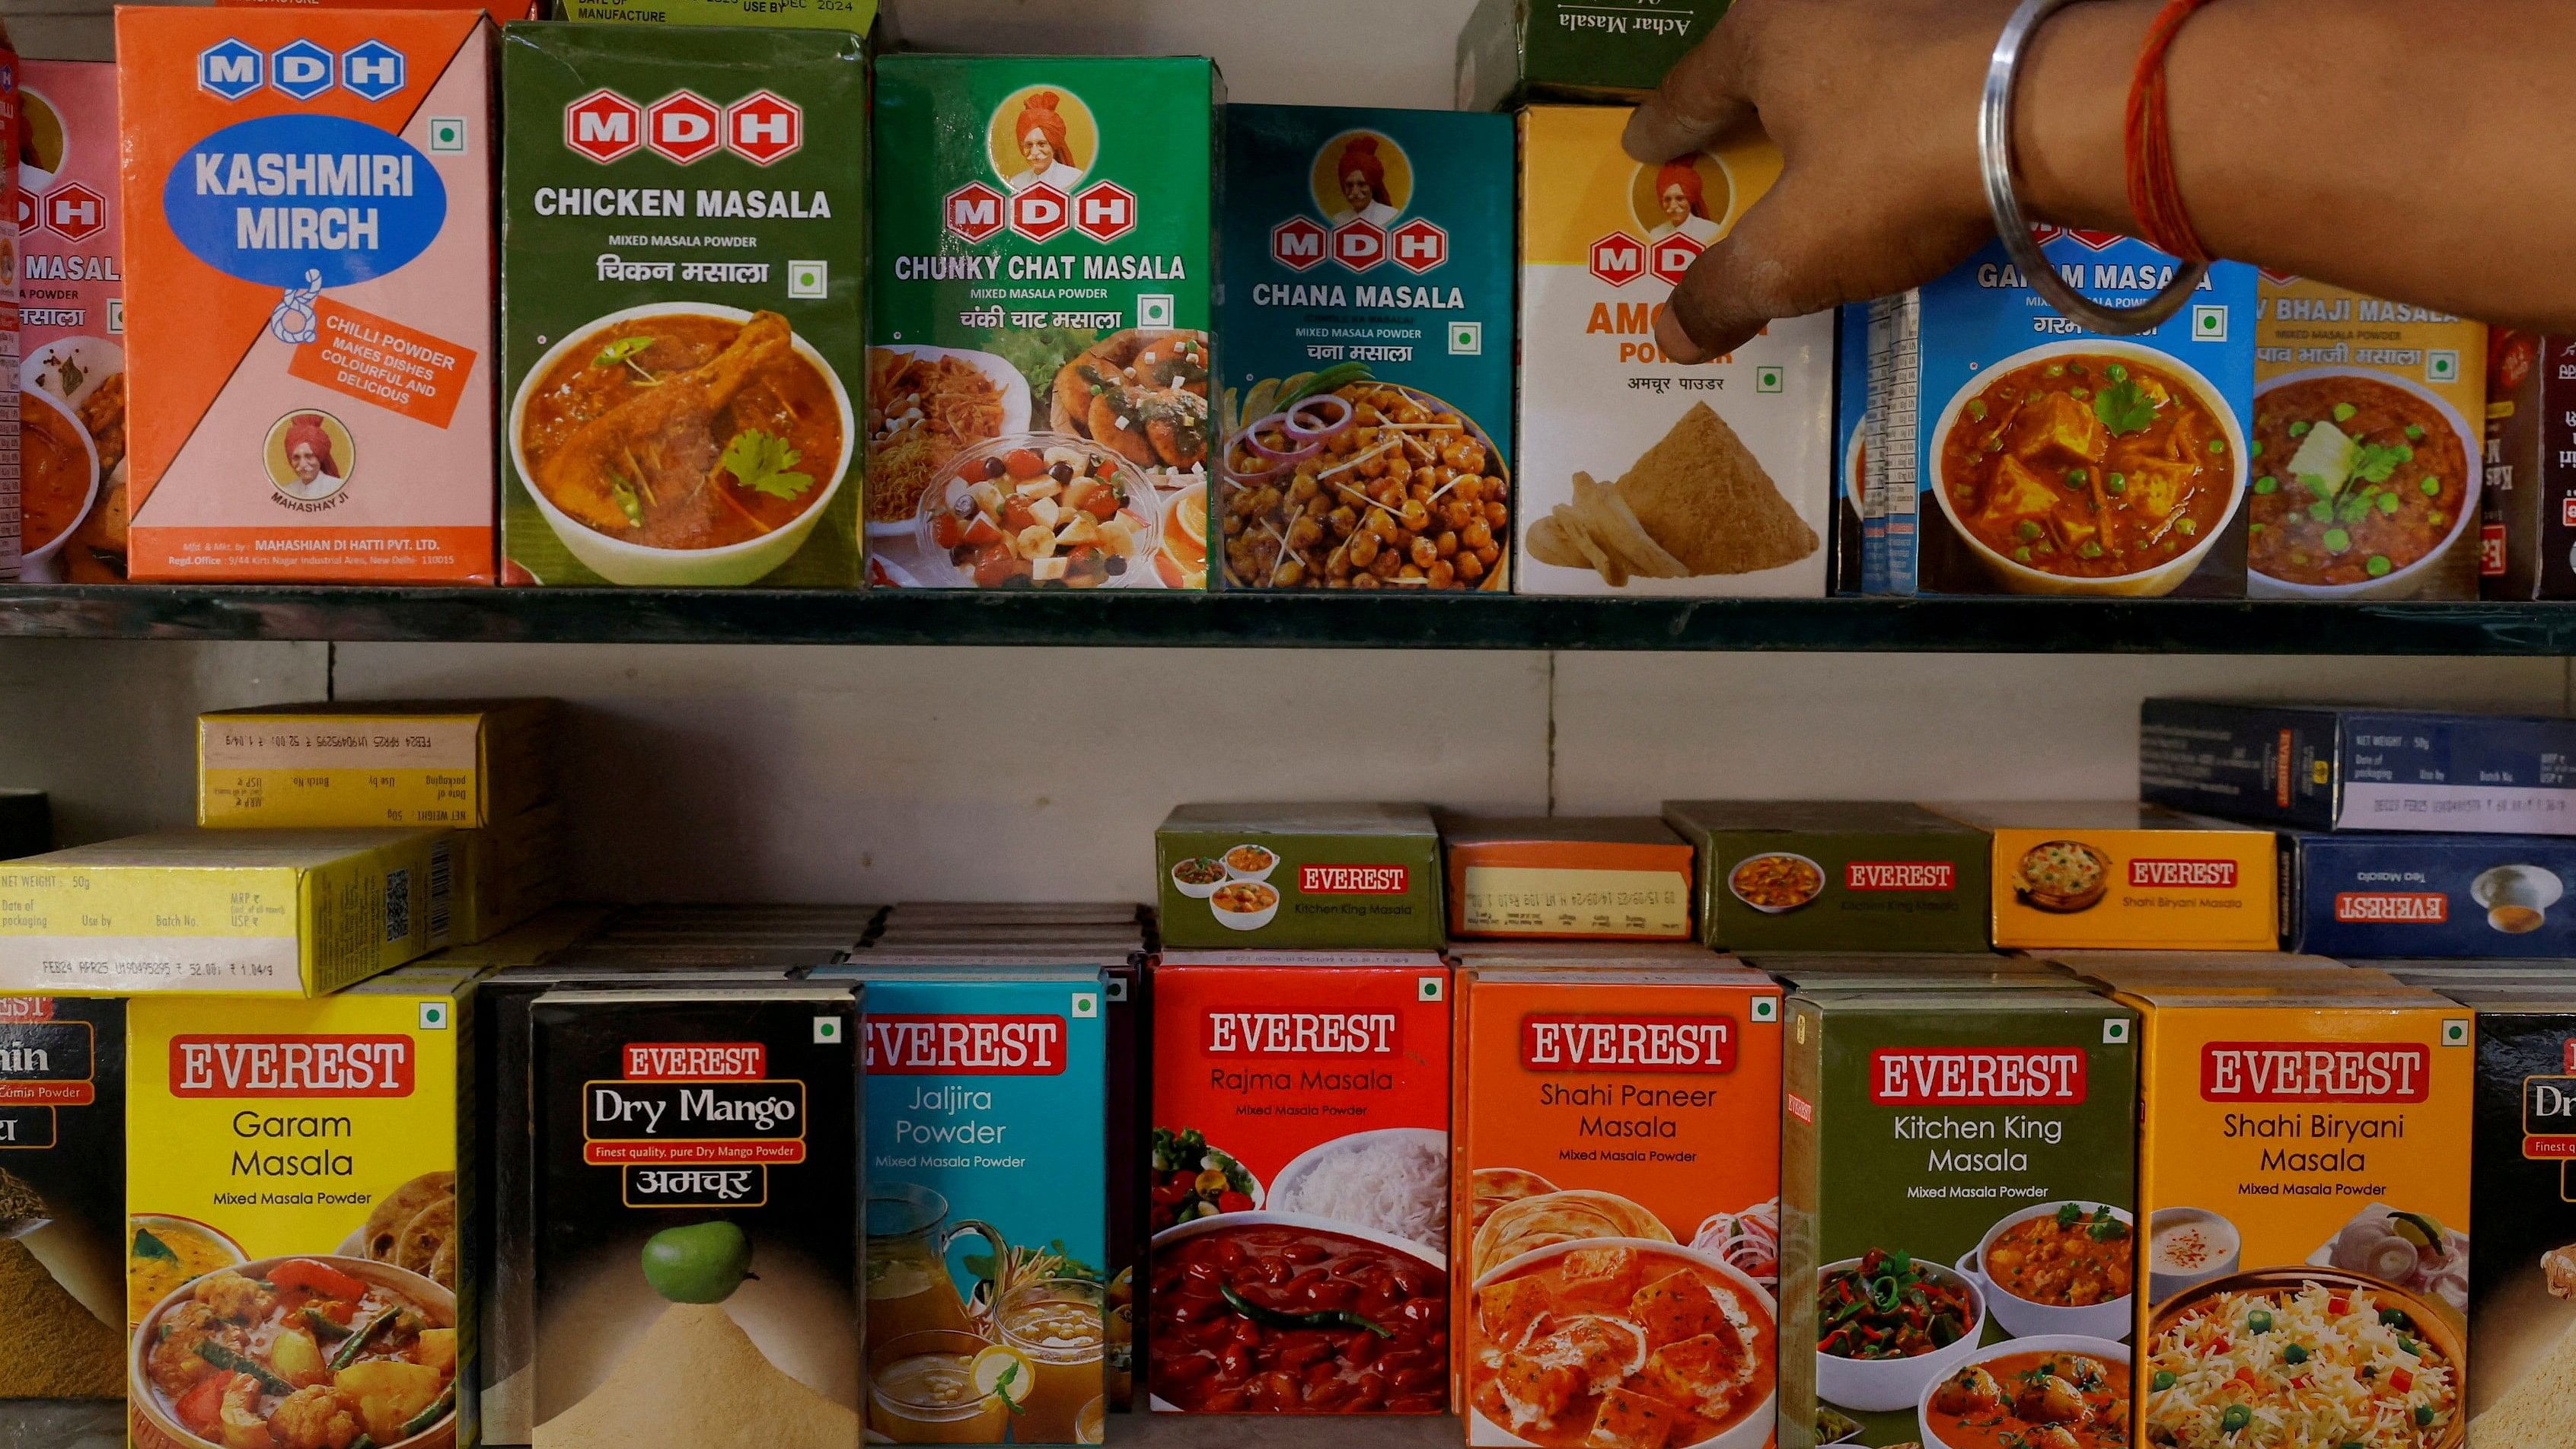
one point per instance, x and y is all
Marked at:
(2003, 197)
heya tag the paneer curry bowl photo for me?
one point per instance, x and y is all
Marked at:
(2090, 467)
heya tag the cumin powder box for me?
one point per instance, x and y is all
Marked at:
(318, 185)
(1567, 878)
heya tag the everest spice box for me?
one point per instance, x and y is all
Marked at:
(1616, 1192)
(2109, 875)
(1267, 877)
(683, 243)
(71, 325)
(1039, 360)
(697, 1275)
(458, 763)
(2326, 768)
(1370, 276)
(2304, 1179)
(1300, 1167)
(62, 1198)
(1581, 48)
(318, 185)
(1834, 875)
(986, 1111)
(2348, 894)
(1639, 475)
(295, 1191)
(1560, 877)
(2369, 421)
(854, 16)
(266, 913)
(1958, 1192)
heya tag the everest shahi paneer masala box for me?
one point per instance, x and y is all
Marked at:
(683, 245)
(2304, 1180)
(296, 1216)
(1040, 359)
(1299, 1188)
(1615, 1201)
(1639, 475)
(1958, 1189)
(317, 186)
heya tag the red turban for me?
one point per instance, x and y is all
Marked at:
(306, 431)
(1685, 176)
(1361, 156)
(1038, 113)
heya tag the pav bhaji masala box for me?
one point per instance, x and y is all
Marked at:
(317, 186)
(71, 325)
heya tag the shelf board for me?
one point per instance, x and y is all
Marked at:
(1337, 620)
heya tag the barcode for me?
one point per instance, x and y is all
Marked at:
(397, 905)
(439, 894)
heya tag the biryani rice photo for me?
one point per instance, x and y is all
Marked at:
(2317, 1363)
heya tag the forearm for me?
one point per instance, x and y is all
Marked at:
(2410, 150)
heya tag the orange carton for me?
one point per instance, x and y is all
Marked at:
(2303, 1173)
(1615, 1195)
(308, 196)
(1608, 878)
(2117, 876)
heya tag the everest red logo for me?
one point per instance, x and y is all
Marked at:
(290, 1066)
(1618, 259)
(2216, 875)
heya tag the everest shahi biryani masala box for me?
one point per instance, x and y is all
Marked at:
(1300, 1187)
(2304, 1180)
(2111, 875)
(1616, 1195)
(309, 196)
(1639, 475)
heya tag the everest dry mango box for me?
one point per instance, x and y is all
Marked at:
(1639, 475)
(456, 763)
(2304, 1181)
(317, 186)
(71, 325)
(266, 913)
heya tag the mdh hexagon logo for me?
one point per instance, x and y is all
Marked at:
(1104, 211)
(1670, 258)
(603, 126)
(23, 211)
(764, 128)
(684, 127)
(1297, 244)
(372, 70)
(974, 211)
(1618, 259)
(73, 212)
(1419, 245)
(1359, 245)
(301, 70)
(1041, 213)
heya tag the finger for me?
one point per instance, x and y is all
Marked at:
(1773, 264)
(1702, 98)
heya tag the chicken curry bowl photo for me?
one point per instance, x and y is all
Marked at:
(2089, 467)
(297, 1353)
(682, 444)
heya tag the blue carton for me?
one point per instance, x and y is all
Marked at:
(2428, 896)
(2014, 452)
(2323, 767)
(1363, 244)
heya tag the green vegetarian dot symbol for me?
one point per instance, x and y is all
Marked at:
(700, 1263)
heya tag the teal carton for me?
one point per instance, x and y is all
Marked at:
(1368, 257)
(987, 1200)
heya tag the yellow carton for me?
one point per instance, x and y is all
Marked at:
(264, 913)
(2114, 876)
(293, 1187)
(508, 872)
(462, 763)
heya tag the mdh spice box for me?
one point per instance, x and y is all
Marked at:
(1299, 1189)
(456, 762)
(2111, 875)
(1832, 875)
(71, 325)
(2304, 1179)
(683, 243)
(318, 185)
(697, 1251)
(2369, 421)
(1557, 877)
(1266, 877)
(1368, 326)
(1615, 1201)
(296, 1209)
(1639, 475)
(1040, 362)
(62, 1198)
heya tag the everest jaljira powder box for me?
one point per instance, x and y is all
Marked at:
(1615, 1205)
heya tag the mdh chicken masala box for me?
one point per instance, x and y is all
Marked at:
(1299, 1189)
(2304, 1178)
(317, 186)
(1615, 1204)
(1958, 1192)
(296, 1215)
(71, 324)
(1639, 475)
(62, 1197)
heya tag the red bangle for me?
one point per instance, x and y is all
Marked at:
(2155, 195)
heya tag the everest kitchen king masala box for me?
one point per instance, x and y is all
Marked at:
(697, 1249)
(62, 1198)
(1300, 1189)
(1958, 1192)
(1616, 1197)
(296, 1216)
(1304, 877)
(2304, 1181)
(317, 186)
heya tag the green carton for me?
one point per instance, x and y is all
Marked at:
(850, 15)
(1511, 50)
(1835, 875)
(1300, 877)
